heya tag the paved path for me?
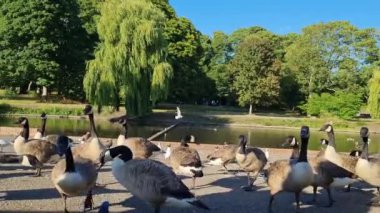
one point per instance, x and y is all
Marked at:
(21, 193)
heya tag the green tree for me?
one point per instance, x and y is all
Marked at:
(185, 54)
(374, 95)
(41, 41)
(255, 68)
(218, 72)
(28, 43)
(328, 57)
(130, 60)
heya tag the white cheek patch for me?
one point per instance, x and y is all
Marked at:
(328, 129)
(293, 142)
(107, 156)
(23, 122)
(124, 122)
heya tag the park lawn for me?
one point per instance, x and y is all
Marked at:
(196, 114)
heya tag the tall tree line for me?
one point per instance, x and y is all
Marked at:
(149, 54)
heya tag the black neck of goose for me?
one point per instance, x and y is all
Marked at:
(242, 148)
(303, 153)
(331, 139)
(43, 127)
(364, 154)
(122, 152)
(125, 130)
(92, 125)
(296, 152)
(69, 161)
(25, 131)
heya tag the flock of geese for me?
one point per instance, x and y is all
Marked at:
(158, 184)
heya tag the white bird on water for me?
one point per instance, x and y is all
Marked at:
(4, 143)
(179, 115)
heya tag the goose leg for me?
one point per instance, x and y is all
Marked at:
(157, 210)
(331, 201)
(193, 187)
(250, 182)
(88, 203)
(314, 200)
(297, 195)
(225, 168)
(348, 188)
(38, 172)
(270, 203)
(64, 203)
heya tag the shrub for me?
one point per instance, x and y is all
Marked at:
(341, 104)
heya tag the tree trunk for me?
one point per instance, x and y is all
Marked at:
(250, 109)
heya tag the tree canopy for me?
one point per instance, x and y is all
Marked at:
(130, 60)
(41, 41)
(256, 69)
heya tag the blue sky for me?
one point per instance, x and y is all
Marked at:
(279, 16)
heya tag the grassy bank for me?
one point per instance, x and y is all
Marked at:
(198, 115)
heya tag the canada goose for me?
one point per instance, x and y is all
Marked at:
(150, 180)
(251, 160)
(321, 176)
(74, 176)
(4, 143)
(186, 160)
(178, 114)
(92, 149)
(141, 147)
(345, 161)
(284, 175)
(368, 169)
(40, 132)
(223, 155)
(37, 151)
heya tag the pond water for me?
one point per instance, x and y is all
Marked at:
(261, 137)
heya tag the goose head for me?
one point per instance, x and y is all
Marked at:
(242, 140)
(324, 141)
(63, 143)
(23, 121)
(290, 141)
(122, 152)
(327, 128)
(364, 133)
(187, 139)
(305, 132)
(123, 121)
(43, 116)
(88, 110)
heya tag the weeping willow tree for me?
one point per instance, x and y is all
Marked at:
(130, 61)
(374, 94)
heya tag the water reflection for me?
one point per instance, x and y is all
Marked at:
(261, 137)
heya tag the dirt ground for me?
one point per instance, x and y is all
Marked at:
(221, 192)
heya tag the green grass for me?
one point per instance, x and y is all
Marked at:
(192, 113)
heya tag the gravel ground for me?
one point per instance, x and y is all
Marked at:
(221, 192)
